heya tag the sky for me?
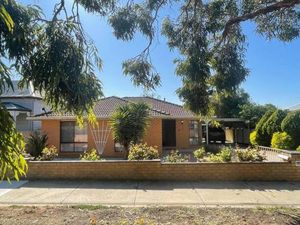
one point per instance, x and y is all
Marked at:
(274, 66)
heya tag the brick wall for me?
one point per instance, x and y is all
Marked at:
(52, 129)
(182, 134)
(155, 170)
(153, 136)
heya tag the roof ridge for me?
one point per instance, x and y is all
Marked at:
(152, 108)
(171, 103)
(113, 96)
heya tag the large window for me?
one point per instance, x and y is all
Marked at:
(194, 132)
(72, 137)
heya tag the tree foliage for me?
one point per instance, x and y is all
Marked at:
(273, 124)
(253, 138)
(282, 140)
(229, 105)
(209, 38)
(54, 55)
(129, 124)
(12, 146)
(291, 125)
(253, 112)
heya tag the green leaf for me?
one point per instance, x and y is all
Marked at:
(4, 15)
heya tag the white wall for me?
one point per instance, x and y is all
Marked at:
(35, 105)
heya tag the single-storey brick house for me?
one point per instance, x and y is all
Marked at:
(171, 126)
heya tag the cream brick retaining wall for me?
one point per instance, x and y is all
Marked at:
(155, 170)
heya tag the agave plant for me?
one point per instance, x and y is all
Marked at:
(36, 144)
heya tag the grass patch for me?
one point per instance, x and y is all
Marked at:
(277, 209)
(16, 206)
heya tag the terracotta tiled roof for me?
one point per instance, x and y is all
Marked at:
(173, 110)
(105, 107)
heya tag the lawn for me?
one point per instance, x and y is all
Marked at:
(85, 214)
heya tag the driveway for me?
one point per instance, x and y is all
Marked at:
(129, 193)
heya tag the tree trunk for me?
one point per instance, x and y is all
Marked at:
(126, 151)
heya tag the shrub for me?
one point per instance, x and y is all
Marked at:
(253, 138)
(298, 149)
(282, 140)
(273, 124)
(262, 136)
(223, 156)
(291, 125)
(90, 155)
(249, 154)
(36, 144)
(142, 152)
(175, 157)
(49, 153)
(129, 124)
(199, 154)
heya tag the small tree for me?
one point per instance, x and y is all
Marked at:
(291, 125)
(262, 137)
(129, 124)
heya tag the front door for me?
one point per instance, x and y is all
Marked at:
(169, 133)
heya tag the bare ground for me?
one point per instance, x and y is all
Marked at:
(86, 214)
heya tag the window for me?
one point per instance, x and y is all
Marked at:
(204, 133)
(194, 132)
(72, 137)
(119, 147)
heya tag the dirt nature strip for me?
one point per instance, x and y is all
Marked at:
(88, 214)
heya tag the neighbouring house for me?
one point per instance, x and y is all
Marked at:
(171, 127)
(231, 131)
(22, 103)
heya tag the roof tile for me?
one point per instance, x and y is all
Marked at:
(105, 107)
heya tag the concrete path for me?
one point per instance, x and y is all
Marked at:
(6, 186)
(154, 193)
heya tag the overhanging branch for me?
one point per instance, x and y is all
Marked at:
(263, 11)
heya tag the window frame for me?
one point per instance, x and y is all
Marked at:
(191, 143)
(73, 135)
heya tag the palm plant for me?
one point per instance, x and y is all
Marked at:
(129, 124)
(36, 144)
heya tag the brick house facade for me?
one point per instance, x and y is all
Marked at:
(171, 127)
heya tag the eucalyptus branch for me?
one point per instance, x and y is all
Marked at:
(263, 11)
(61, 6)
